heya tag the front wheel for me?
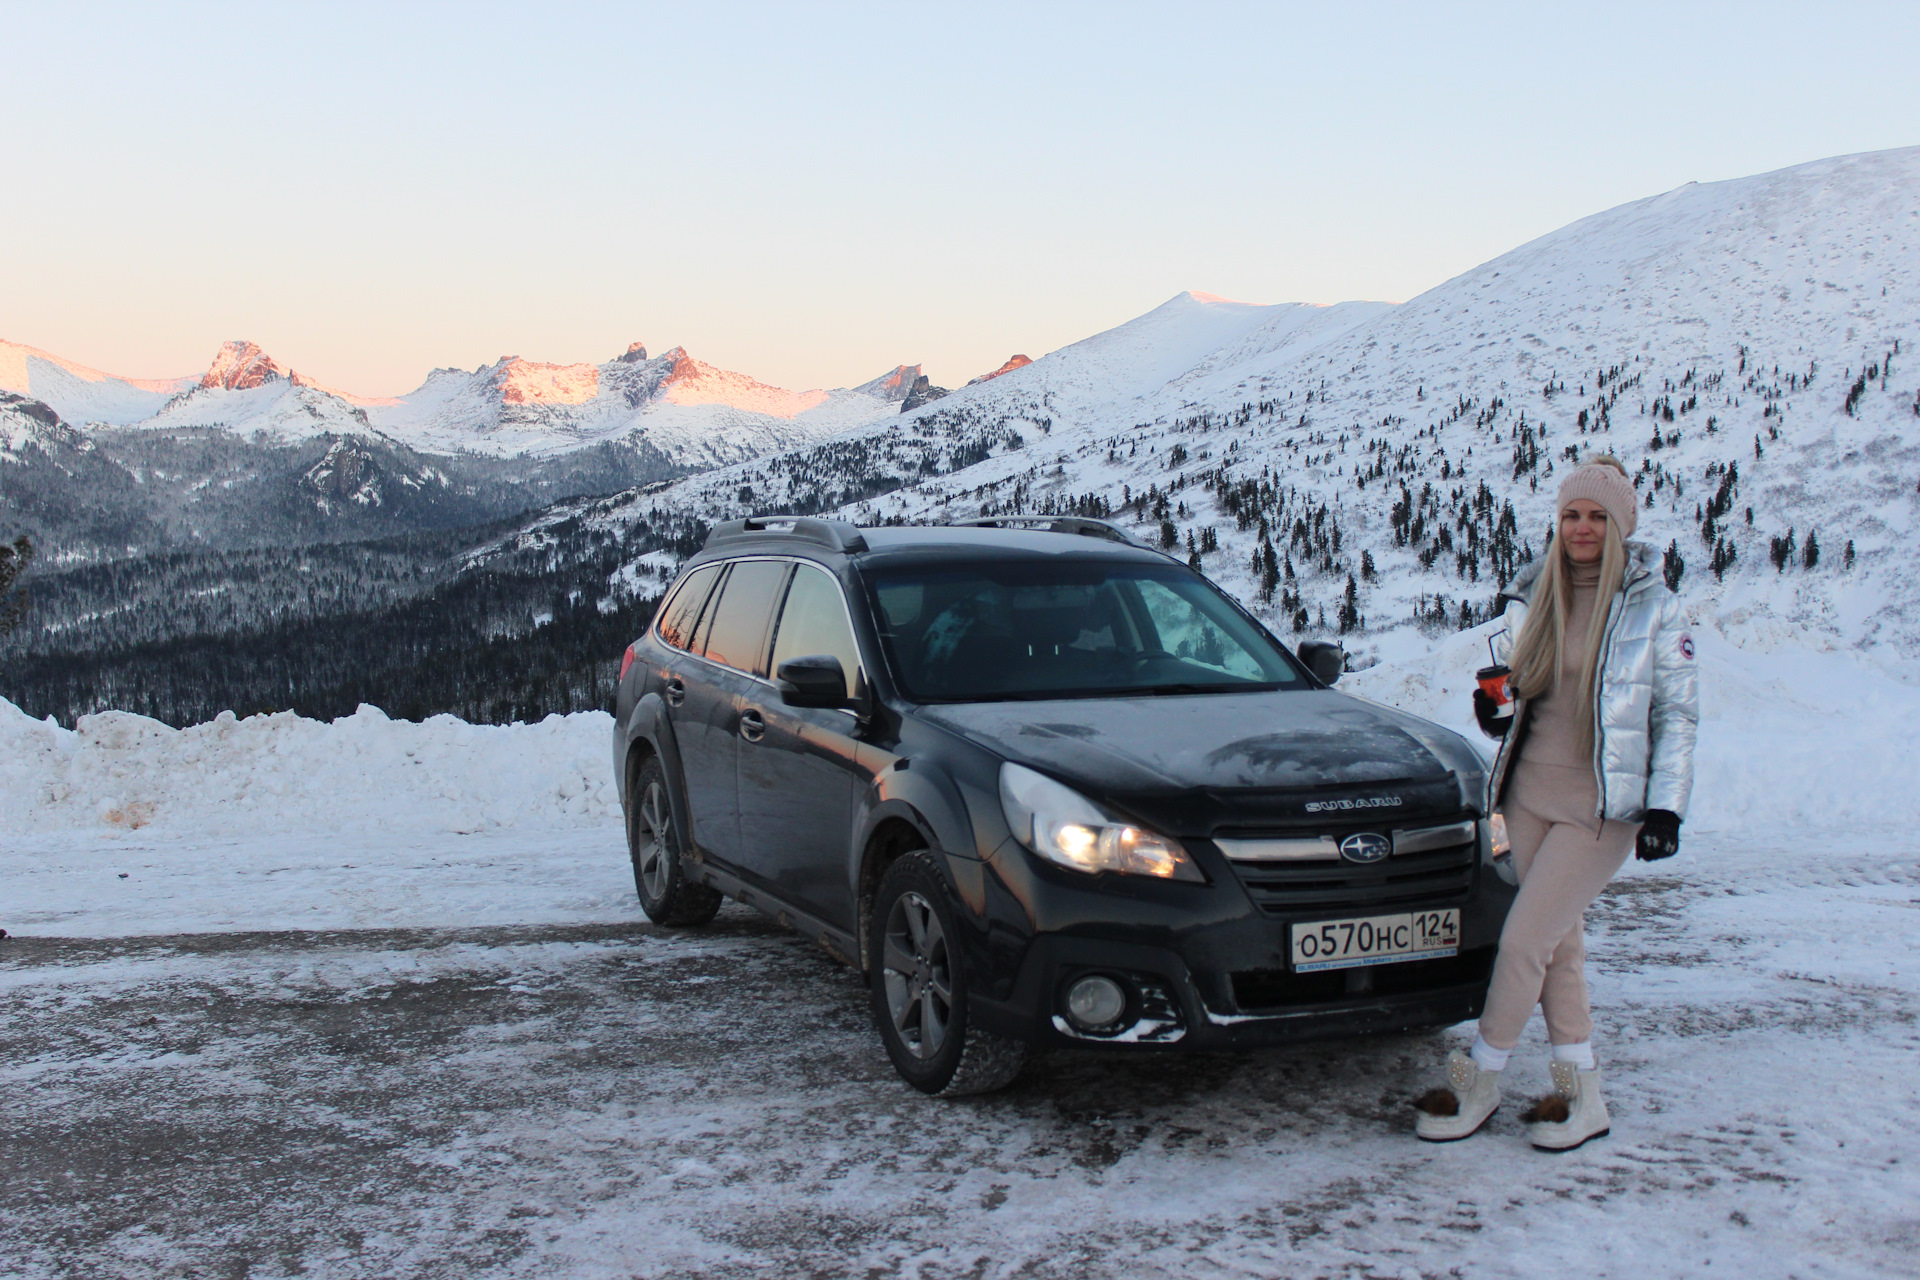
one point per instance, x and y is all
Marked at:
(667, 894)
(919, 989)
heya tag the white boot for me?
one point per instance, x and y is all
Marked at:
(1458, 1109)
(1572, 1114)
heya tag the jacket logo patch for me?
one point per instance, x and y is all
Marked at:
(1686, 647)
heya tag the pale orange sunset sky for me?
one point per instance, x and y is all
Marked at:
(814, 193)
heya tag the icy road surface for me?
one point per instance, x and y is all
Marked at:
(589, 1099)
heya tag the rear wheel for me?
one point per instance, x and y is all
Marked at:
(919, 989)
(667, 894)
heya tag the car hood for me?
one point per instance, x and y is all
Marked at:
(1192, 764)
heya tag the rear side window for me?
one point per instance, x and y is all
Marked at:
(682, 610)
(738, 635)
(814, 621)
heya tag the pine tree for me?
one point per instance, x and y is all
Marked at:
(13, 596)
(1810, 554)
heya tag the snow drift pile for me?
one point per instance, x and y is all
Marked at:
(283, 774)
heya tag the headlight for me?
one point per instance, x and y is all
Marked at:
(1063, 826)
(1497, 833)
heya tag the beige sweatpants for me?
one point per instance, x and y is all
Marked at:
(1562, 867)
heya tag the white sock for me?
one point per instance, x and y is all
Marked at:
(1580, 1055)
(1488, 1057)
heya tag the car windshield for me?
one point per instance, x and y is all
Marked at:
(1067, 629)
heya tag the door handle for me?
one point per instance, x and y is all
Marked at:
(676, 692)
(753, 725)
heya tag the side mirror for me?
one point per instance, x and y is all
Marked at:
(1324, 658)
(816, 680)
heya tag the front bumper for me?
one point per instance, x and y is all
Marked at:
(1209, 967)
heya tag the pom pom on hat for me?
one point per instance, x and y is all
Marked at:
(1607, 484)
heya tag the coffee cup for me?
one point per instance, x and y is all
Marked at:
(1493, 682)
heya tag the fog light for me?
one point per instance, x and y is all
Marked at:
(1095, 1001)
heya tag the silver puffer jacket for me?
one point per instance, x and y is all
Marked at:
(1646, 696)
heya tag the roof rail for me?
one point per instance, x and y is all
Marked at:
(1061, 524)
(837, 535)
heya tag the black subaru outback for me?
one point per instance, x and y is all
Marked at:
(1043, 784)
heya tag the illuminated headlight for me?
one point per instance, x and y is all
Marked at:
(1063, 826)
(1497, 833)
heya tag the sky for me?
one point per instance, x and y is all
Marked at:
(812, 193)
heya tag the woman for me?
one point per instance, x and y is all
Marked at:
(1598, 763)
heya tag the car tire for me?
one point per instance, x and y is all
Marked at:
(918, 988)
(667, 894)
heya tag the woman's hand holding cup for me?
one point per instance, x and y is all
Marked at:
(1493, 701)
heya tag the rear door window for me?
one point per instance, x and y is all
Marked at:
(814, 621)
(682, 610)
(738, 634)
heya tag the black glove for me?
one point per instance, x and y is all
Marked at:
(1659, 836)
(1483, 710)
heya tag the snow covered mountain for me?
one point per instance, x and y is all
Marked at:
(80, 394)
(690, 412)
(1381, 469)
(693, 412)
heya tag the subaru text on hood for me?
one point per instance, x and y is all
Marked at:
(1046, 785)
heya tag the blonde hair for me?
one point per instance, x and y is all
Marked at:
(1542, 640)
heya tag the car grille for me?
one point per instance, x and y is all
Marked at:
(1277, 988)
(1401, 881)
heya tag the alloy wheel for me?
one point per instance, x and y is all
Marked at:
(653, 848)
(917, 972)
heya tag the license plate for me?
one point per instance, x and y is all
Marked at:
(1348, 944)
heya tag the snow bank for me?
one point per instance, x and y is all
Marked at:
(361, 773)
(1792, 738)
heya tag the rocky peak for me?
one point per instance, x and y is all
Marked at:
(241, 366)
(1013, 362)
(636, 353)
(894, 385)
(922, 392)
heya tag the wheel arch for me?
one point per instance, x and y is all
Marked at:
(892, 836)
(650, 734)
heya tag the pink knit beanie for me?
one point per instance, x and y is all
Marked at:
(1606, 484)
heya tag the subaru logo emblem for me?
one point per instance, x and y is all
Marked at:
(1365, 846)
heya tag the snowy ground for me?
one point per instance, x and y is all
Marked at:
(611, 1099)
(380, 1019)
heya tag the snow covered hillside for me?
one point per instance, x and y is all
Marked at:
(1742, 346)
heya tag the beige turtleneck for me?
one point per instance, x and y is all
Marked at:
(1557, 720)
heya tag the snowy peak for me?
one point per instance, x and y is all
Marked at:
(1013, 362)
(636, 353)
(892, 386)
(528, 382)
(691, 382)
(241, 366)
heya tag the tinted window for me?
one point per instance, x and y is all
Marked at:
(738, 635)
(975, 633)
(814, 621)
(682, 610)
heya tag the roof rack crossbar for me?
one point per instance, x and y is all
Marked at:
(1083, 525)
(837, 535)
